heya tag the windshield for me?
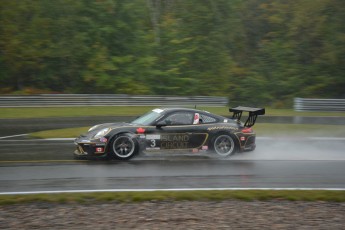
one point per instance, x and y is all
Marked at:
(147, 118)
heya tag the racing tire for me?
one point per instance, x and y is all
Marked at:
(124, 147)
(224, 145)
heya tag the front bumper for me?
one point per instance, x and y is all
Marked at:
(89, 147)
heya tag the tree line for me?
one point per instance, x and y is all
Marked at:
(256, 51)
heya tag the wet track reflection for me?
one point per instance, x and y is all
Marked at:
(27, 165)
(267, 149)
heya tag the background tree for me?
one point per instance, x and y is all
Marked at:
(254, 52)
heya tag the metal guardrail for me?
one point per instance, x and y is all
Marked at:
(307, 104)
(71, 100)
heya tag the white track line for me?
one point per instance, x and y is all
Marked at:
(31, 140)
(59, 139)
(162, 190)
(19, 135)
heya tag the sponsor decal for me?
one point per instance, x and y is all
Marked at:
(153, 148)
(153, 136)
(195, 150)
(103, 139)
(204, 147)
(177, 141)
(243, 138)
(99, 149)
(174, 145)
(175, 137)
(222, 127)
(140, 130)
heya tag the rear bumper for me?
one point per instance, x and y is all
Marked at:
(249, 148)
(248, 144)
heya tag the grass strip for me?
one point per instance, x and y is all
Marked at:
(299, 130)
(130, 111)
(73, 111)
(59, 133)
(213, 195)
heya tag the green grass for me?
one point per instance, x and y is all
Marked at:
(72, 111)
(59, 133)
(291, 112)
(130, 111)
(262, 129)
(245, 195)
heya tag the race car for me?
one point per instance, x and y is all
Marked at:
(171, 129)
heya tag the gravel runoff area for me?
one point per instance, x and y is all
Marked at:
(230, 214)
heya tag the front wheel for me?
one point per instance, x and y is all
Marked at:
(224, 145)
(124, 147)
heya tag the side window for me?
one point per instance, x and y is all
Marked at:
(179, 118)
(206, 119)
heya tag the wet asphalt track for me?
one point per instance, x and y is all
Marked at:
(41, 165)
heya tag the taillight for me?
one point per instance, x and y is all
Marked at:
(247, 130)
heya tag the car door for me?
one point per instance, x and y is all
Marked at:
(175, 131)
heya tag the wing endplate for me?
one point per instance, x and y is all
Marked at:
(253, 114)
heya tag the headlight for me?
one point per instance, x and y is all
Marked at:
(93, 127)
(102, 133)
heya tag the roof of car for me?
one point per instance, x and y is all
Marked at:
(173, 109)
(170, 109)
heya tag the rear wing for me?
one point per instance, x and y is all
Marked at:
(253, 114)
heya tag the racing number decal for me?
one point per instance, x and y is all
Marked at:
(167, 141)
(153, 143)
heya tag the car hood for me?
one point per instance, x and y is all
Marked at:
(99, 127)
(111, 125)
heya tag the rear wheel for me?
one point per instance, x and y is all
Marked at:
(224, 145)
(124, 147)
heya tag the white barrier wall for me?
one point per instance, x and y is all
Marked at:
(69, 100)
(308, 104)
